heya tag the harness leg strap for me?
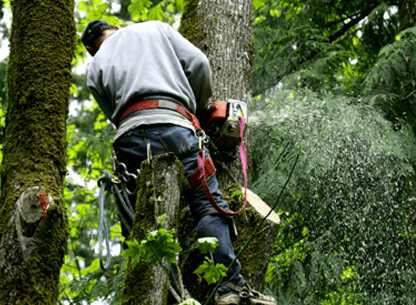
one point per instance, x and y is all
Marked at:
(195, 179)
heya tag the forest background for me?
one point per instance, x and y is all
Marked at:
(335, 79)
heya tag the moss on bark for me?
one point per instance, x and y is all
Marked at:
(190, 23)
(159, 193)
(42, 46)
(255, 258)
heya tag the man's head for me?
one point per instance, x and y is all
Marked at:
(95, 33)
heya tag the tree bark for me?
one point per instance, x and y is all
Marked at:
(223, 31)
(33, 222)
(163, 181)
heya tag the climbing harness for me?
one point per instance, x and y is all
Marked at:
(231, 115)
(232, 130)
(165, 104)
(120, 185)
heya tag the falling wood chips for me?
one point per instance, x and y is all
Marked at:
(261, 207)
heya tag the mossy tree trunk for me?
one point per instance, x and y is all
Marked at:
(160, 186)
(33, 222)
(223, 31)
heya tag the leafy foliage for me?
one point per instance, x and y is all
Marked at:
(315, 42)
(212, 272)
(190, 302)
(391, 82)
(344, 235)
(320, 66)
(207, 244)
(158, 244)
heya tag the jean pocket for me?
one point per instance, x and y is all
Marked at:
(179, 140)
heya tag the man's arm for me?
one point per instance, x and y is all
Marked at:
(104, 104)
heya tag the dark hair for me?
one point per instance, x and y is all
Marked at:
(93, 31)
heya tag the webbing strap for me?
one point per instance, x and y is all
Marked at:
(243, 156)
(209, 170)
(153, 104)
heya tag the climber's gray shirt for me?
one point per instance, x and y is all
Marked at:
(146, 61)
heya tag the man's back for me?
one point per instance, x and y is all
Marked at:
(148, 60)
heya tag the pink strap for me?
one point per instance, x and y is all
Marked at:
(243, 156)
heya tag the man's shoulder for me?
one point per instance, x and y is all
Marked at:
(148, 25)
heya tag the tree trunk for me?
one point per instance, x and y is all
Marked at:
(147, 282)
(223, 31)
(33, 223)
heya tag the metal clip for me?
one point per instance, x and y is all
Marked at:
(115, 179)
(115, 160)
(201, 144)
(203, 139)
(149, 152)
(244, 298)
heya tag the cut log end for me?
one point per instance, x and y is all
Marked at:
(261, 207)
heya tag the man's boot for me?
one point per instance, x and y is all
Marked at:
(241, 295)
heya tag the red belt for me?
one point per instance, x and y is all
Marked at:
(153, 104)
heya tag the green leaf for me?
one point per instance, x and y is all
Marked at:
(212, 272)
(156, 13)
(179, 5)
(257, 4)
(138, 9)
(237, 193)
(134, 252)
(207, 244)
(190, 302)
(161, 244)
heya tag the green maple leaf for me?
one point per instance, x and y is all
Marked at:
(212, 272)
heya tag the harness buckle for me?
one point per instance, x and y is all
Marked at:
(203, 139)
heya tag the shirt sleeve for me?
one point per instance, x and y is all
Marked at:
(103, 102)
(196, 67)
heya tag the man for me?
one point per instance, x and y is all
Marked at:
(150, 82)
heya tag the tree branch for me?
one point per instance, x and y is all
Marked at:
(360, 16)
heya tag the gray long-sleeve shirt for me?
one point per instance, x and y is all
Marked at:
(144, 61)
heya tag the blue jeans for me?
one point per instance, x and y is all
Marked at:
(131, 149)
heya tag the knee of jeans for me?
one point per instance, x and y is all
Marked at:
(212, 226)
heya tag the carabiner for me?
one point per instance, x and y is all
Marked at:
(200, 143)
